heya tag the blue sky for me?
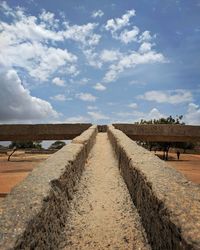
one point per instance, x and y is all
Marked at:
(99, 61)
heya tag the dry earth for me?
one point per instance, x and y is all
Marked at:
(188, 164)
(14, 171)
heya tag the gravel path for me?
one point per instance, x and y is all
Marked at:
(102, 215)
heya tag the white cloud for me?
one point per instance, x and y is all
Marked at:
(82, 33)
(59, 97)
(59, 82)
(146, 36)
(86, 97)
(171, 96)
(39, 60)
(136, 115)
(192, 115)
(99, 87)
(128, 36)
(49, 19)
(130, 61)
(92, 58)
(117, 23)
(110, 55)
(97, 13)
(153, 114)
(133, 105)
(97, 115)
(17, 103)
(32, 37)
(145, 47)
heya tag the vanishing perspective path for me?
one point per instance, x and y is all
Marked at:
(102, 214)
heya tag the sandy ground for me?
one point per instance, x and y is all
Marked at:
(188, 165)
(102, 215)
(14, 171)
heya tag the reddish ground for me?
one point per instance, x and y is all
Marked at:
(188, 164)
(14, 171)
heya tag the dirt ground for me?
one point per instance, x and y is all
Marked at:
(20, 165)
(14, 171)
(188, 164)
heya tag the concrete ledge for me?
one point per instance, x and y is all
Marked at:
(168, 204)
(160, 132)
(34, 132)
(34, 214)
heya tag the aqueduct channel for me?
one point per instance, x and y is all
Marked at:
(101, 191)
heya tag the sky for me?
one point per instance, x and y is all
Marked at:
(99, 61)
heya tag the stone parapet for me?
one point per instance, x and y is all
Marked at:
(33, 215)
(169, 205)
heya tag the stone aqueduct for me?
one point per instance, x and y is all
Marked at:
(31, 216)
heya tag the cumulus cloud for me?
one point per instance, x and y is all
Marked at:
(82, 33)
(86, 97)
(110, 55)
(92, 58)
(130, 61)
(59, 82)
(145, 36)
(137, 115)
(128, 36)
(192, 115)
(171, 96)
(32, 37)
(145, 47)
(97, 13)
(17, 102)
(118, 23)
(99, 87)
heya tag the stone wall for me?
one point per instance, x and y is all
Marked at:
(160, 132)
(169, 205)
(33, 215)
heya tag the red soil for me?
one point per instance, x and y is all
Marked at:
(188, 165)
(14, 171)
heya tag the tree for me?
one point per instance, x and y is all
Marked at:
(15, 145)
(25, 144)
(165, 146)
(57, 145)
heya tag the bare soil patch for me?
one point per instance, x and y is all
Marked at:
(14, 171)
(188, 165)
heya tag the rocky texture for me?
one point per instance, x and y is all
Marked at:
(102, 214)
(160, 132)
(34, 132)
(32, 216)
(168, 204)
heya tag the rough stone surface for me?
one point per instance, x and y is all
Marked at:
(168, 204)
(32, 217)
(102, 214)
(160, 132)
(20, 132)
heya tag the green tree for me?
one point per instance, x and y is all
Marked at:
(26, 144)
(57, 145)
(15, 145)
